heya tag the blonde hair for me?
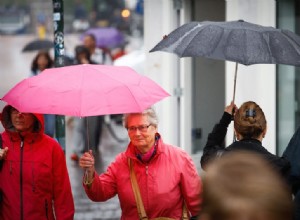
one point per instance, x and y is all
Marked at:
(249, 120)
(242, 185)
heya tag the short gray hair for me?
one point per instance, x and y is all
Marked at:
(149, 112)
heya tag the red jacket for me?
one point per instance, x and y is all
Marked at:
(169, 179)
(34, 179)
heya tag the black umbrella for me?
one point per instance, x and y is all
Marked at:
(238, 41)
(39, 44)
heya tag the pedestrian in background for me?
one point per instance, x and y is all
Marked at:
(43, 61)
(243, 185)
(250, 127)
(87, 130)
(166, 178)
(34, 179)
(98, 55)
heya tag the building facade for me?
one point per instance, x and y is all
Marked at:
(201, 87)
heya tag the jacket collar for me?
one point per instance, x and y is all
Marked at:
(131, 149)
(251, 140)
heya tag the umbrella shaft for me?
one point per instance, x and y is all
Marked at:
(234, 86)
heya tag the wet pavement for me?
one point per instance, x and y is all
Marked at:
(108, 149)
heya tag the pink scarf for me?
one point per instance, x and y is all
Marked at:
(145, 158)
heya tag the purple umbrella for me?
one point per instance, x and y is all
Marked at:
(108, 37)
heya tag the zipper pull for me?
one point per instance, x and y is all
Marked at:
(22, 144)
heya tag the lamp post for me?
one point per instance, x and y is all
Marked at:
(59, 52)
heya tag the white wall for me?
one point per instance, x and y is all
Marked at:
(159, 20)
(256, 82)
(169, 71)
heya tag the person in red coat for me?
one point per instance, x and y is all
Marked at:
(166, 175)
(34, 180)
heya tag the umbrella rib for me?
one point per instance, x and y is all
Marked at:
(193, 36)
(120, 81)
(267, 40)
(293, 42)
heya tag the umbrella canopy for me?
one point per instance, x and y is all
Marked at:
(239, 41)
(85, 90)
(108, 37)
(38, 45)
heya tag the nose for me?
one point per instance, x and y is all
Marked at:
(20, 114)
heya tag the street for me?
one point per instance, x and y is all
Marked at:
(108, 149)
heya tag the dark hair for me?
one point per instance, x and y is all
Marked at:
(249, 120)
(34, 64)
(81, 49)
(91, 36)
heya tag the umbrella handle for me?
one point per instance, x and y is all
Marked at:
(234, 86)
(234, 89)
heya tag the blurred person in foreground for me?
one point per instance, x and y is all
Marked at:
(250, 127)
(40, 62)
(292, 153)
(166, 175)
(242, 185)
(34, 179)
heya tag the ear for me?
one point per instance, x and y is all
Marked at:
(264, 132)
(238, 135)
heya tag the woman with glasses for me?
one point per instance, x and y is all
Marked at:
(167, 181)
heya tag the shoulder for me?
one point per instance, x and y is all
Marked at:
(176, 153)
(120, 160)
(52, 143)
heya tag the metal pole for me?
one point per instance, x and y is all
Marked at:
(178, 91)
(59, 52)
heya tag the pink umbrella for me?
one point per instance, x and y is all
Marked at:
(85, 90)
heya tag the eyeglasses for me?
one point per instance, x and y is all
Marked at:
(141, 128)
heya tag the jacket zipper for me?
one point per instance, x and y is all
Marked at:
(46, 208)
(21, 178)
(147, 170)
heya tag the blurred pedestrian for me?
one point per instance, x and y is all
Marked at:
(43, 61)
(250, 127)
(292, 153)
(118, 52)
(40, 62)
(34, 177)
(162, 175)
(87, 130)
(98, 55)
(242, 185)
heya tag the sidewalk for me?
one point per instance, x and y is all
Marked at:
(85, 209)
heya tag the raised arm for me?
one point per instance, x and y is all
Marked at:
(215, 139)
